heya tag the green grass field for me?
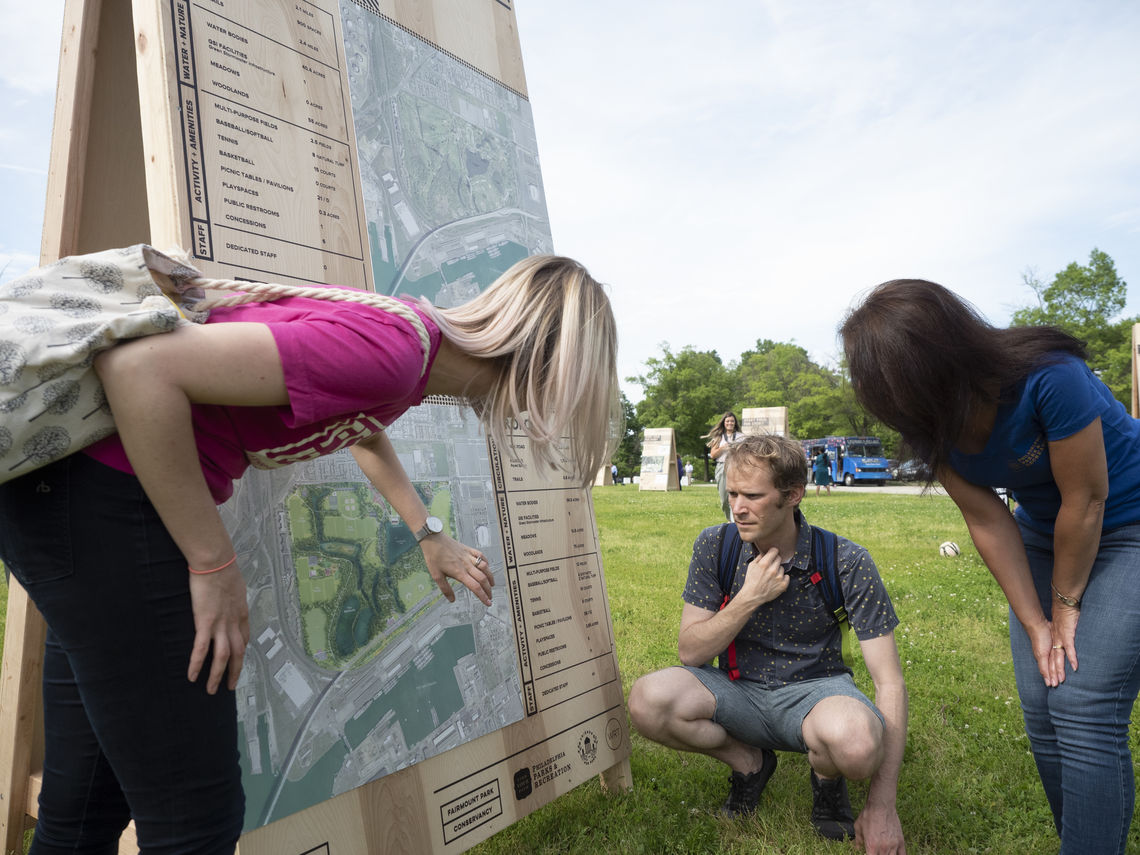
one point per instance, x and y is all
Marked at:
(968, 781)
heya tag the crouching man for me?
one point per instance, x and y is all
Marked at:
(779, 634)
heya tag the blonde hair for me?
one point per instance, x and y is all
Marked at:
(549, 327)
(546, 323)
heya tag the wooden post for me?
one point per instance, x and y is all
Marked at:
(96, 122)
(1136, 371)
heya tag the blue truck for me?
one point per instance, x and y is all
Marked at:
(853, 459)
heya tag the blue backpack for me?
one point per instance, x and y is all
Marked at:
(825, 576)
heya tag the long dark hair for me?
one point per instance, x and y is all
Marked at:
(719, 431)
(923, 361)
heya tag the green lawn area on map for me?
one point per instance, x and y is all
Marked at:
(358, 566)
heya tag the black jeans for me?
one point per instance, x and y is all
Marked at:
(126, 734)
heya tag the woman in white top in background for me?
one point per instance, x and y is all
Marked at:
(720, 438)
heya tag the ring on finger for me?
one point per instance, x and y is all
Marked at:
(1058, 647)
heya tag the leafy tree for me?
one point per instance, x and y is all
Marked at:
(1083, 300)
(783, 375)
(687, 391)
(628, 455)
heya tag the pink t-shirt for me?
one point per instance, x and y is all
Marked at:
(350, 371)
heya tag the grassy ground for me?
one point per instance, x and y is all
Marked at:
(968, 781)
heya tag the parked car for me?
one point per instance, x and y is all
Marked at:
(911, 470)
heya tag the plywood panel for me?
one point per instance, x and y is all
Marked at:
(659, 460)
(760, 420)
(482, 33)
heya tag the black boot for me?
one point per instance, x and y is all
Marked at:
(831, 808)
(744, 794)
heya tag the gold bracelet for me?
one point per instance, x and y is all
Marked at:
(1071, 602)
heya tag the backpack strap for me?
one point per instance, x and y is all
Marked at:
(728, 556)
(825, 576)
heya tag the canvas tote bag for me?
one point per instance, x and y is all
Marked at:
(55, 319)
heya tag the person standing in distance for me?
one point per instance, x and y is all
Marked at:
(719, 439)
(821, 471)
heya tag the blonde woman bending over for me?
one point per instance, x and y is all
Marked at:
(122, 549)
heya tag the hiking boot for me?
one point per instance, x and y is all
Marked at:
(744, 794)
(831, 808)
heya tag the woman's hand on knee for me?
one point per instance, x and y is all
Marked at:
(221, 622)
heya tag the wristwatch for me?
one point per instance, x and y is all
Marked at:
(432, 525)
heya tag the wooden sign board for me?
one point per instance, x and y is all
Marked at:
(659, 460)
(1136, 371)
(760, 420)
(390, 146)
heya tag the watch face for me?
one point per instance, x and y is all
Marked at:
(434, 525)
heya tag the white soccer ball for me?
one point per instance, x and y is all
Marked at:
(949, 548)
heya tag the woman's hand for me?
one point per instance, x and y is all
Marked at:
(449, 559)
(221, 619)
(1049, 664)
(1065, 636)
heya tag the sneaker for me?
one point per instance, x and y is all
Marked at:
(744, 794)
(831, 808)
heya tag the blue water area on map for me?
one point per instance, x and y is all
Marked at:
(422, 699)
(399, 540)
(418, 692)
(257, 788)
(486, 266)
(346, 638)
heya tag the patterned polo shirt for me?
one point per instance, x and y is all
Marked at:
(795, 636)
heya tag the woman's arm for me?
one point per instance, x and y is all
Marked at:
(998, 540)
(150, 384)
(1080, 470)
(446, 558)
(878, 827)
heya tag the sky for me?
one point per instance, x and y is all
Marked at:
(745, 170)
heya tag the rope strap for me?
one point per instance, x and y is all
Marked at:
(264, 292)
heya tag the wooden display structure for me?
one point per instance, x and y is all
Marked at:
(755, 421)
(659, 460)
(127, 167)
(1136, 371)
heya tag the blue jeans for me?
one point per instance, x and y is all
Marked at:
(126, 734)
(1079, 730)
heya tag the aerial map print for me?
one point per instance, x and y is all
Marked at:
(357, 665)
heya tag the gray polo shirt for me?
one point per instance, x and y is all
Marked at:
(795, 636)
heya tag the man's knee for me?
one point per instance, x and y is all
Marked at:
(648, 703)
(659, 697)
(849, 733)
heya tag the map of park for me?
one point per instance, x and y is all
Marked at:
(358, 567)
(358, 666)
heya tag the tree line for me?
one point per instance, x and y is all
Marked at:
(688, 390)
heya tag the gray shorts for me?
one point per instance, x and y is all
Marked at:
(772, 718)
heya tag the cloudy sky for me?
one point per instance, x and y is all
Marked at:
(743, 170)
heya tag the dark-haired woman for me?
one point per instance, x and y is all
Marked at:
(720, 438)
(1018, 408)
